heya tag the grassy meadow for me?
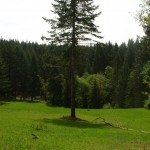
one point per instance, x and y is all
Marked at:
(19, 120)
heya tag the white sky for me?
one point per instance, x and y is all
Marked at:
(22, 19)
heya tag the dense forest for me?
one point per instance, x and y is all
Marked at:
(66, 73)
(108, 75)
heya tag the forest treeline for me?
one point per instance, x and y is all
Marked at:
(108, 75)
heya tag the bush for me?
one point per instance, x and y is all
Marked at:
(147, 103)
(107, 106)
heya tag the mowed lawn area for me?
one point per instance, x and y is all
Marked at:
(36, 126)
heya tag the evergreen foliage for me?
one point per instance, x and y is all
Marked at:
(73, 22)
(4, 80)
(29, 70)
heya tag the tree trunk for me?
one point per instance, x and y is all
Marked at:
(72, 88)
(72, 63)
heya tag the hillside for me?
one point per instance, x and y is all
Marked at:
(39, 127)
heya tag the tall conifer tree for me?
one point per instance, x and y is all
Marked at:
(74, 20)
(4, 81)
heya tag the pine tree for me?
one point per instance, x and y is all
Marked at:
(95, 96)
(4, 81)
(74, 20)
(146, 77)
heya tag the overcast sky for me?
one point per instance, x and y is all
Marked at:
(22, 19)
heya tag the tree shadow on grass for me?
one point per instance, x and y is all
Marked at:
(73, 124)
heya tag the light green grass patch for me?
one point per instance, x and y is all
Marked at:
(19, 120)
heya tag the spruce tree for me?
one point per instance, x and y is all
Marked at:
(74, 20)
(4, 81)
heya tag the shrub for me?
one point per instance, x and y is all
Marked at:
(107, 106)
(147, 103)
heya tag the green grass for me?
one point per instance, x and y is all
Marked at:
(18, 120)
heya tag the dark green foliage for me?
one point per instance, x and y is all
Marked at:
(109, 75)
(100, 59)
(74, 18)
(65, 71)
(44, 87)
(95, 96)
(29, 70)
(74, 21)
(147, 103)
(4, 80)
(83, 92)
(92, 91)
(56, 89)
(134, 95)
(145, 75)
